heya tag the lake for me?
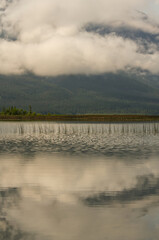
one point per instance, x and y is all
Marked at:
(79, 181)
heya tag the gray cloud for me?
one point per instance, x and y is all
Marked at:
(50, 38)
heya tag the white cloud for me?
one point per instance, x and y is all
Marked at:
(3, 4)
(49, 38)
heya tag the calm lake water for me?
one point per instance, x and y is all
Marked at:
(79, 181)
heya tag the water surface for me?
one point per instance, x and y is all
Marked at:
(73, 181)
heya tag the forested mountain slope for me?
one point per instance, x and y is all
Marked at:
(109, 93)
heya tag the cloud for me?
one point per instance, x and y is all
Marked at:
(54, 41)
(3, 4)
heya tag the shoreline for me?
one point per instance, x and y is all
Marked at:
(82, 118)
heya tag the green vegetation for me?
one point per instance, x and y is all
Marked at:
(14, 111)
(15, 114)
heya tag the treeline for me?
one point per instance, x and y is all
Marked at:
(17, 111)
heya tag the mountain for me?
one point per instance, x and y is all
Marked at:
(108, 93)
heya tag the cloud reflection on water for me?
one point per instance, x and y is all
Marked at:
(84, 196)
(51, 196)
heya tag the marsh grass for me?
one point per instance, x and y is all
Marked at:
(83, 118)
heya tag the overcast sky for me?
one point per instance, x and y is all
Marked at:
(50, 37)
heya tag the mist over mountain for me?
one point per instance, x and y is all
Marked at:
(144, 39)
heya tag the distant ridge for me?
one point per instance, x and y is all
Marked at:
(120, 93)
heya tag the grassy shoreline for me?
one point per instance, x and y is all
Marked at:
(81, 118)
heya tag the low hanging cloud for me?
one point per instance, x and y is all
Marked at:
(50, 38)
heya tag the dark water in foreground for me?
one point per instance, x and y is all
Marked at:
(79, 181)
